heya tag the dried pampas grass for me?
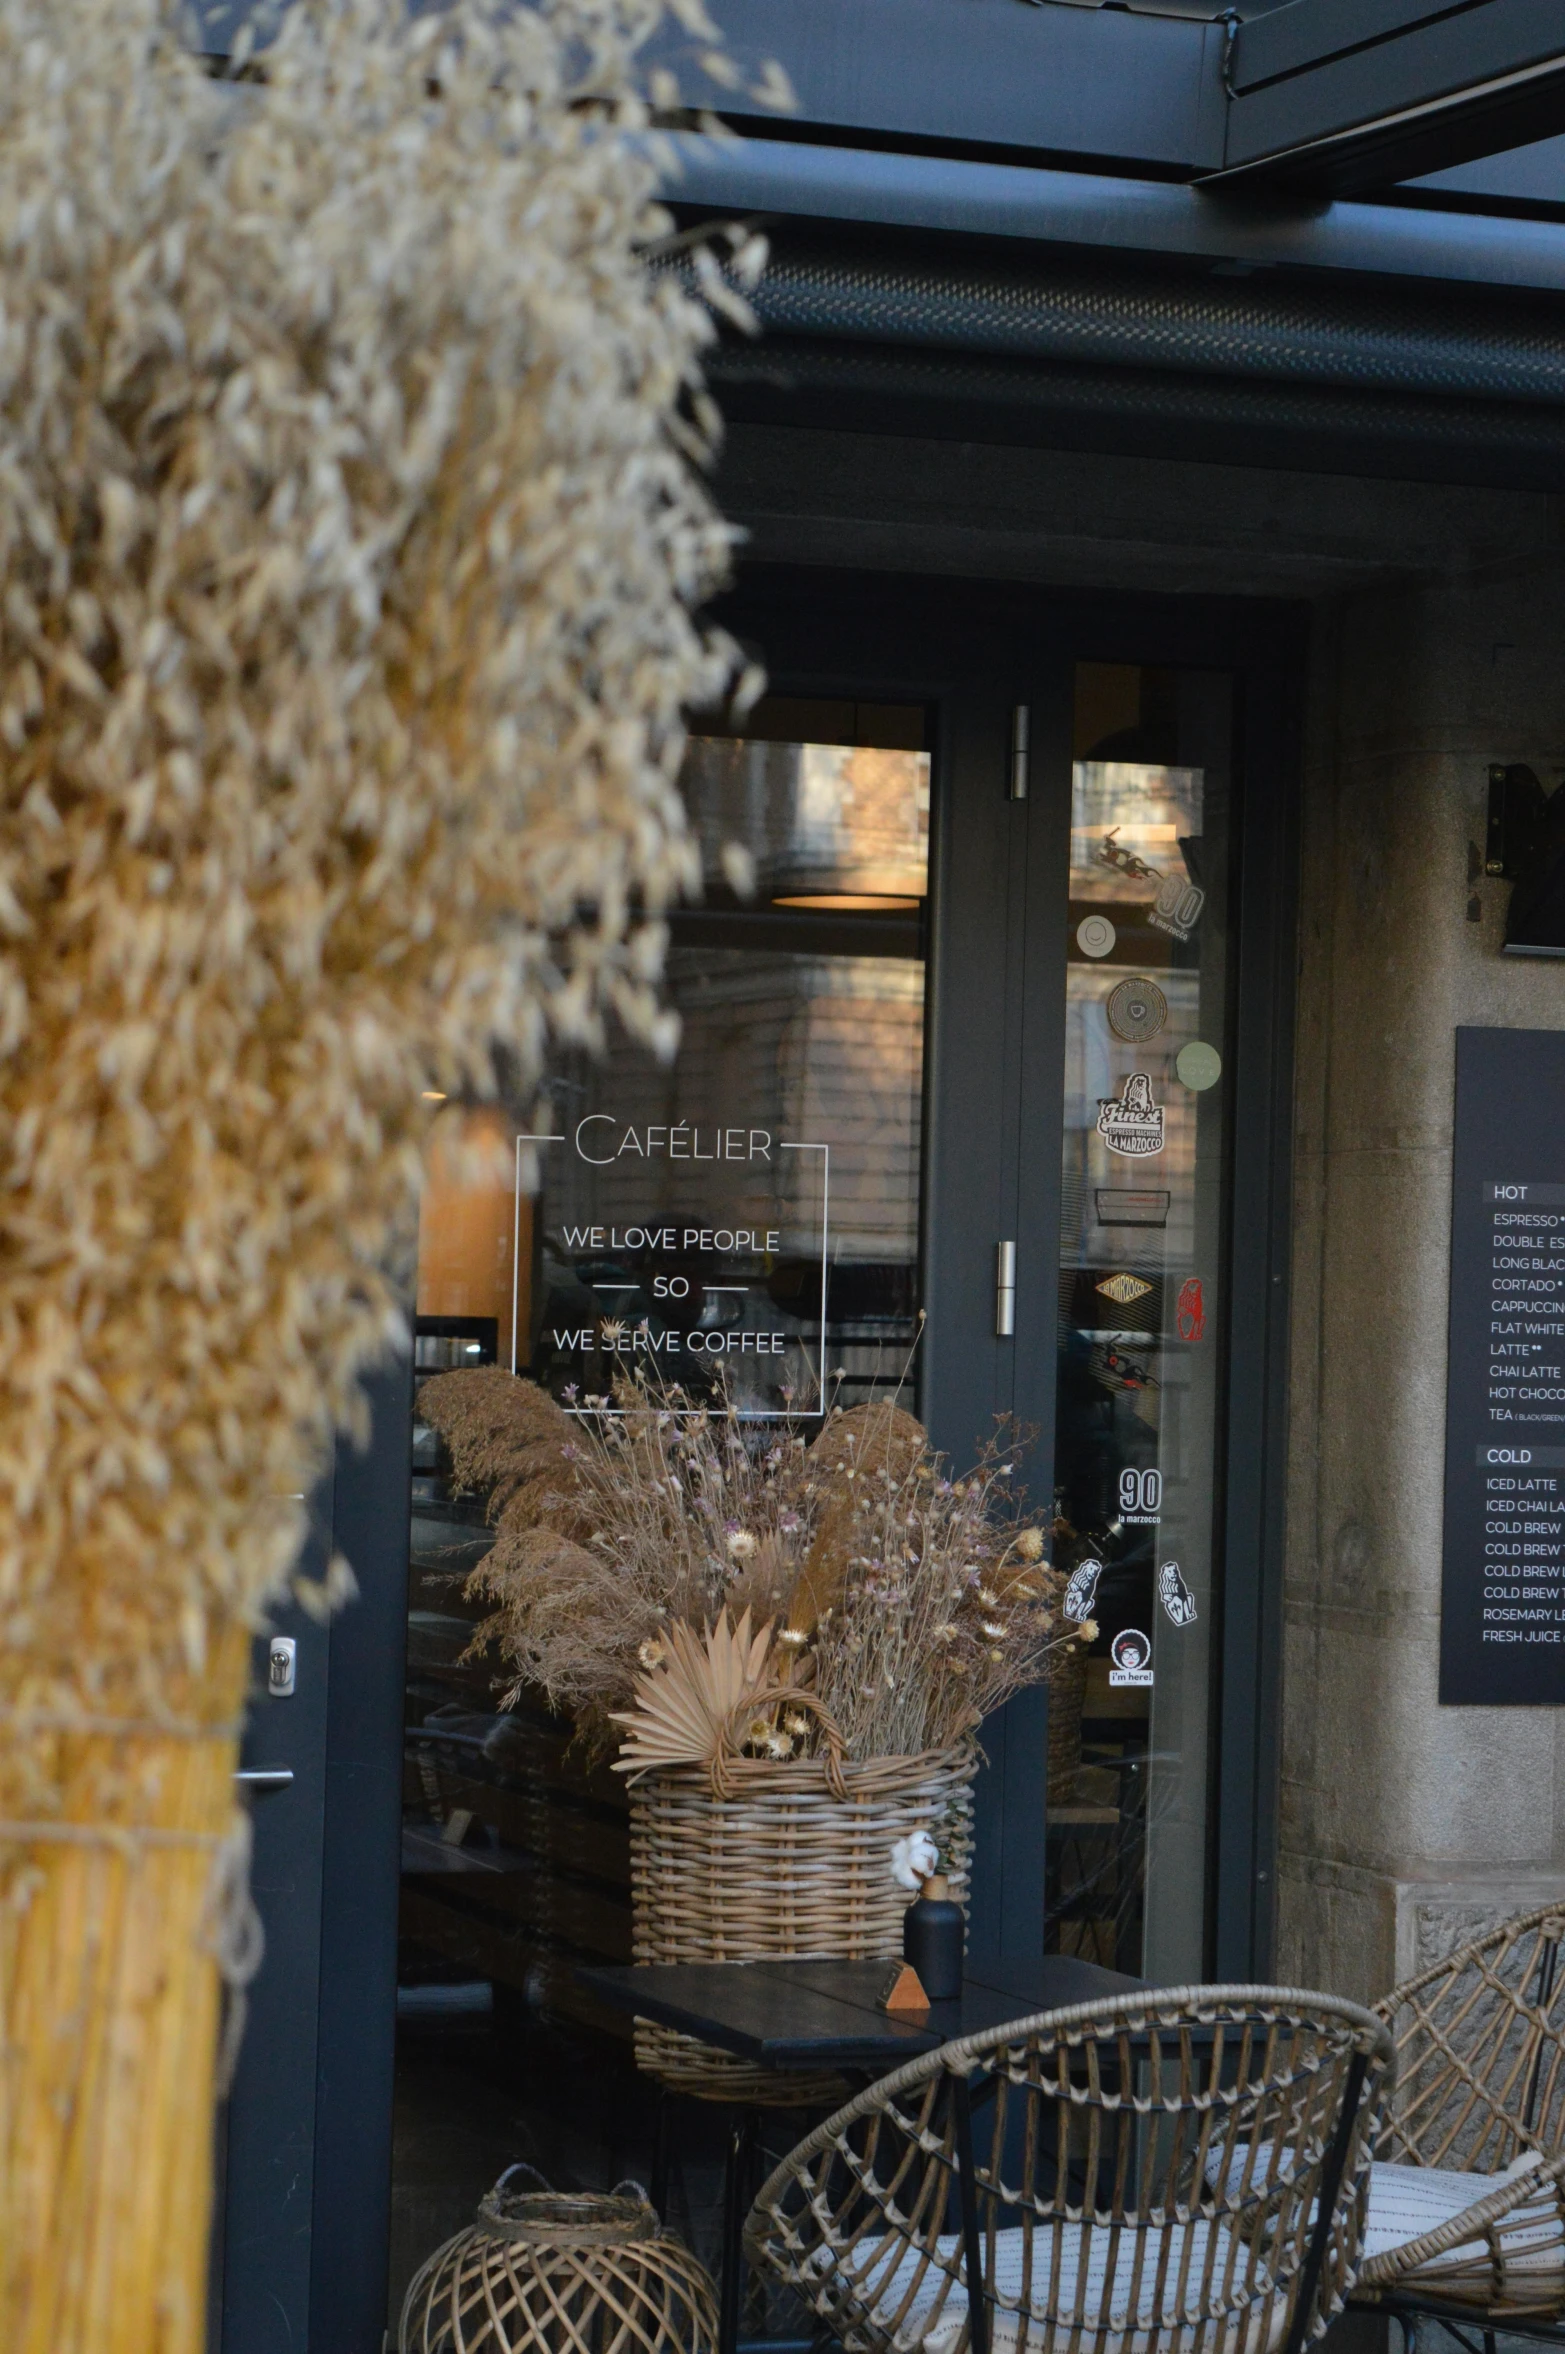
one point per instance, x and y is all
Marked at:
(513, 1445)
(659, 1514)
(862, 1444)
(348, 538)
(898, 1607)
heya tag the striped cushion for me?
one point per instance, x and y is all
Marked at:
(1166, 2322)
(1405, 2202)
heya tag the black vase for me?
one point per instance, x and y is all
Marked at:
(932, 1930)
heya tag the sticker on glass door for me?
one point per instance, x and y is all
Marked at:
(1130, 1122)
(1130, 1658)
(686, 1251)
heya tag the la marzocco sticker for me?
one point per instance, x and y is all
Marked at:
(1130, 1122)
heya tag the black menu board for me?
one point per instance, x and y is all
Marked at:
(1502, 1617)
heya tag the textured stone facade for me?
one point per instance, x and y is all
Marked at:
(1405, 1826)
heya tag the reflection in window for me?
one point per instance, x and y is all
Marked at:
(751, 1209)
(844, 820)
(749, 1213)
(1141, 1294)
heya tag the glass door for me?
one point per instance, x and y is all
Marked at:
(741, 1220)
(1142, 1313)
(942, 1011)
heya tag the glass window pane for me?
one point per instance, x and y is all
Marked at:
(1141, 1311)
(751, 1209)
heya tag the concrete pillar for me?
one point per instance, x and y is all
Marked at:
(1405, 1827)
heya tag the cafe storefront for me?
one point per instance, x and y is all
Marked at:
(1069, 1057)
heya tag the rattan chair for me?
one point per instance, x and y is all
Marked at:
(1467, 2208)
(1166, 2173)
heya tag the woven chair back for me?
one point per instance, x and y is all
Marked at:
(1183, 2170)
(1480, 2061)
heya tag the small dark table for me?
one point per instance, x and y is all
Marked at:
(810, 2015)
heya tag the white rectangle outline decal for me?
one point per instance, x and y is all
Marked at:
(809, 1414)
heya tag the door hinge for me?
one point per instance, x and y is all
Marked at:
(1004, 1290)
(1021, 732)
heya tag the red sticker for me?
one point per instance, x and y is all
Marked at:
(1191, 1310)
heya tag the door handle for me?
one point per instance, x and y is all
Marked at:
(262, 1778)
(1021, 730)
(1004, 1290)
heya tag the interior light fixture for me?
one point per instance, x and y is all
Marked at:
(434, 1095)
(850, 902)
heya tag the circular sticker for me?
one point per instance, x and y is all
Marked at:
(1137, 1010)
(1095, 936)
(1198, 1064)
(1130, 1658)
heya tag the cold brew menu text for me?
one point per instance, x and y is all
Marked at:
(1502, 1637)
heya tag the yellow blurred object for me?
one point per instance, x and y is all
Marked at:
(470, 1221)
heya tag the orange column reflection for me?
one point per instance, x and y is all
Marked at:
(468, 1228)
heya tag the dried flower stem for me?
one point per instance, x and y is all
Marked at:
(348, 547)
(911, 1605)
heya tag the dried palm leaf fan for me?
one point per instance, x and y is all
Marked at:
(348, 539)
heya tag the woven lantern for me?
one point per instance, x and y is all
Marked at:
(559, 2273)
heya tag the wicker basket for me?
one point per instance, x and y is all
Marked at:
(560, 2273)
(793, 1859)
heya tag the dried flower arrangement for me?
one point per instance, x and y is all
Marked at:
(349, 542)
(698, 1593)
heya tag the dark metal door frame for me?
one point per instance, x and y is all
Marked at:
(304, 2144)
(994, 1079)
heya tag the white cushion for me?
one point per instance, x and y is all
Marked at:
(1405, 2202)
(1169, 2323)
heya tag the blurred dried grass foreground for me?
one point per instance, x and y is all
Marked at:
(348, 542)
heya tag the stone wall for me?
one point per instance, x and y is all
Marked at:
(1405, 1826)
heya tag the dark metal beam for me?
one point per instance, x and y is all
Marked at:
(1094, 89)
(1309, 96)
(1097, 211)
(1330, 96)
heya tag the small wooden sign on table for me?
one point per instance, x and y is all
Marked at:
(903, 1991)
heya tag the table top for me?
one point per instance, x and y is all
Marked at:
(809, 2014)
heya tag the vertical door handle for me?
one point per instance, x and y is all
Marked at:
(1021, 732)
(1004, 1290)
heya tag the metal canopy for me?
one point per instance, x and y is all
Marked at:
(1301, 97)
(1094, 88)
(1311, 96)
(883, 332)
(1105, 212)
(1339, 95)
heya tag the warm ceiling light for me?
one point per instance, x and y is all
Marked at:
(434, 1095)
(850, 902)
